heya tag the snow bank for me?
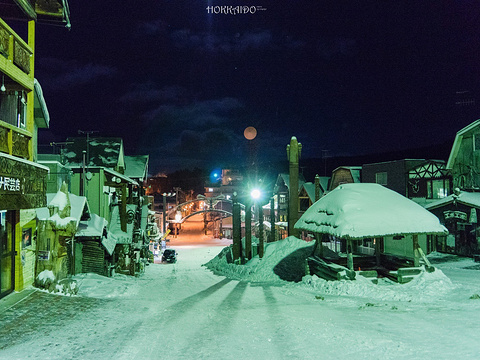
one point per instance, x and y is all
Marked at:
(283, 260)
(424, 287)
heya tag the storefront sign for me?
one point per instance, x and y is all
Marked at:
(9, 184)
(22, 184)
(455, 215)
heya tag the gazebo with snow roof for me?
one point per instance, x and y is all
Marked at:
(376, 226)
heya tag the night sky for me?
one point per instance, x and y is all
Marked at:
(181, 84)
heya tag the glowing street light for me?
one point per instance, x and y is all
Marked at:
(255, 193)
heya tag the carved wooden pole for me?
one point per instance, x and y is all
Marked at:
(237, 228)
(317, 188)
(261, 245)
(272, 220)
(248, 230)
(294, 150)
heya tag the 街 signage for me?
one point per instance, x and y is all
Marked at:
(22, 185)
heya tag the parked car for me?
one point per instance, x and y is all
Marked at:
(169, 255)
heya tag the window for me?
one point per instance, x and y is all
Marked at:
(476, 142)
(283, 199)
(13, 108)
(437, 189)
(381, 178)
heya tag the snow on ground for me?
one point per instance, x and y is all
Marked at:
(187, 311)
(277, 262)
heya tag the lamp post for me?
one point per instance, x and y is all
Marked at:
(256, 195)
(236, 228)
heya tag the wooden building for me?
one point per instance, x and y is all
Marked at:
(418, 179)
(22, 112)
(464, 159)
(345, 175)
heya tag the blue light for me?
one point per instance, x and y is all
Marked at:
(215, 176)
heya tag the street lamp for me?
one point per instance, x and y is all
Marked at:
(255, 194)
(178, 218)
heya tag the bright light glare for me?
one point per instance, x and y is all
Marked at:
(256, 193)
(178, 216)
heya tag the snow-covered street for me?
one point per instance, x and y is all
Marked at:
(185, 311)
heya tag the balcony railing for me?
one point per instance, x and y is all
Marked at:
(16, 56)
(15, 141)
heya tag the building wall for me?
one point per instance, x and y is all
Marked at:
(466, 169)
(26, 249)
(341, 176)
(404, 247)
(396, 175)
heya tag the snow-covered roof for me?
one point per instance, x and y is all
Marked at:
(104, 152)
(465, 197)
(285, 178)
(59, 199)
(136, 167)
(92, 227)
(324, 183)
(310, 190)
(40, 110)
(363, 210)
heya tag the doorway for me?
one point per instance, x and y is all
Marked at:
(7, 252)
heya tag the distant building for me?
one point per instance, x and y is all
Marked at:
(345, 175)
(464, 159)
(418, 179)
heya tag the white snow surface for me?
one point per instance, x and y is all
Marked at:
(185, 311)
(46, 275)
(364, 210)
(257, 270)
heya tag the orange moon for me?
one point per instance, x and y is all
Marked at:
(250, 133)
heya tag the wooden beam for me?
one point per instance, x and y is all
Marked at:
(416, 253)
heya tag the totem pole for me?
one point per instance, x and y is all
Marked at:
(294, 150)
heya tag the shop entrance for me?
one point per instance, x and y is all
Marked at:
(7, 252)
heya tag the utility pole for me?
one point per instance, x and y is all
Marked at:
(87, 133)
(86, 160)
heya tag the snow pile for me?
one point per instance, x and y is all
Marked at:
(282, 260)
(46, 276)
(46, 281)
(425, 286)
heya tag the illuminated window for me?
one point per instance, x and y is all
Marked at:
(437, 189)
